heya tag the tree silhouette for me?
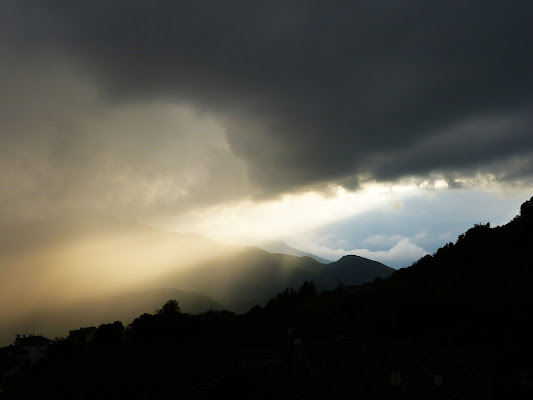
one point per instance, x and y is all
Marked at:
(526, 209)
(308, 289)
(108, 335)
(169, 309)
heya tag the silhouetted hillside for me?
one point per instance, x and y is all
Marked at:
(483, 281)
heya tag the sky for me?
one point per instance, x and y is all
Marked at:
(378, 128)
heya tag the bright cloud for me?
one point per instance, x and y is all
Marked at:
(401, 254)
(381, 241)
(289, 215)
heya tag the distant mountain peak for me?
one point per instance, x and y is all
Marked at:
(278, 247)
(351, 257)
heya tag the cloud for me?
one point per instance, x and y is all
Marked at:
(402, 254)
(381, 241)
(79, 150)
(396, 250)
(304, 95)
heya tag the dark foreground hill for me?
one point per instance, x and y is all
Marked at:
(483, 283)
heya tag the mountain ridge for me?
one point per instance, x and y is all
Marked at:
(251, 276)
(275, 246)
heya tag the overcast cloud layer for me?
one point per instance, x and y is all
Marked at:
(173, 104)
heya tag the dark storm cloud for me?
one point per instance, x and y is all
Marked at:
(313, 92)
